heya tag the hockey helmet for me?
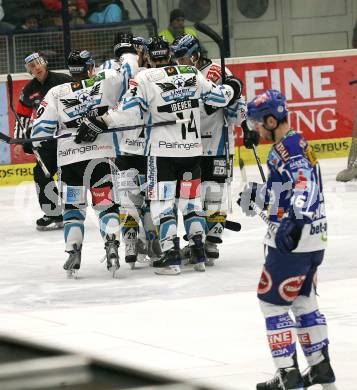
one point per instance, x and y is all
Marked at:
(158, 48)
(34, 59)
(185, 46)
(271, 102)
(123, 43)
(79, 61)
(140, 44)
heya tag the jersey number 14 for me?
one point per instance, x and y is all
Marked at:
(191, 126)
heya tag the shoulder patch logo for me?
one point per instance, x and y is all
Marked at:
(171, 70)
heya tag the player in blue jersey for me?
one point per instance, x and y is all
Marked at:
(294, 244)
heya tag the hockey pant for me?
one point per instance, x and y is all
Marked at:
(46, 188)
(76, 180)
(169, 178)
(287, 282)
(129, 192)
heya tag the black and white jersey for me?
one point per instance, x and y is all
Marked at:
(166, 94)
(212, 121)
(65, 105)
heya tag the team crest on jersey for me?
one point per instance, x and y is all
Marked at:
(84, 102)
(179, 89)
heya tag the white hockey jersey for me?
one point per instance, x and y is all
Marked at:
(166, 94)
(64, 106)
(128, 65)
(212, 124)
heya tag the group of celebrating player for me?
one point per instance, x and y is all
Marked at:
(173, 158)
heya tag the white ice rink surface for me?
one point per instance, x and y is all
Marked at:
(204, 327)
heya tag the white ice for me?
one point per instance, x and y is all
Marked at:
(203, 327)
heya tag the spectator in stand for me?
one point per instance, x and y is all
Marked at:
(18, 12)
(4, 26)
(108, 12)
(78, 9)
(177, 26)
(31, 23)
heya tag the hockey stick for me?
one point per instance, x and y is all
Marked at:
(10, 140)
(10, 91)
(203, 28)
(273, 228)
(259, 163)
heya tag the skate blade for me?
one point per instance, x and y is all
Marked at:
(329, 386)
(199, 267)
(171, 270)
(56, 226)
(325, 386)
(72, 274)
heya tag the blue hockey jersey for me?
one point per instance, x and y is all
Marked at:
(295, 186)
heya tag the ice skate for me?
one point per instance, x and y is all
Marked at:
(169, 263)
(112, 256)
(47, 223)
(198, 255)
(131, 253)
(73, 263)
(320, 374)
(212, 252)
(284, 379)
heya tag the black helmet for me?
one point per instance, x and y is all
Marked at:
(123, 43)
(79, 61)
(159, 48)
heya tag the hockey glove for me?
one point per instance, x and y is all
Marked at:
(89, 130)
(289, 233)
(250, 137)
(252, 192)
(237, 87)
(27, 148)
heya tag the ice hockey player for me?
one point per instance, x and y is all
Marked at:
(30, 98)
(166, 93)
(126, 43)
(83, 160)
(186, 51)
(295, 243)
(130, 53)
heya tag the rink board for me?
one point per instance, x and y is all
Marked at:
(322, 104)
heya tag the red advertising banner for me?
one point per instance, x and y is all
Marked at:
(321, 101)
(17, 154)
